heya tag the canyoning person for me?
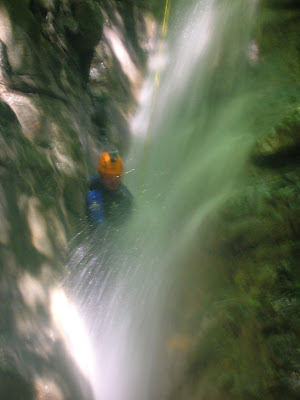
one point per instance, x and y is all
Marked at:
(108, 200)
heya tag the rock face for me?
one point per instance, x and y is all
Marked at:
(44, 107)
(52, 128)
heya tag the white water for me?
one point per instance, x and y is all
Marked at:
(201, 134)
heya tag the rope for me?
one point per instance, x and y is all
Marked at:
(155, 91)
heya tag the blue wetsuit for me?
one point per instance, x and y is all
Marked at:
(106, 205)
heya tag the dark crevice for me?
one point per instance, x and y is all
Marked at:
(26, 89)
(286, 157)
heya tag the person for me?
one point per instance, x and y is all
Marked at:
(108, 200)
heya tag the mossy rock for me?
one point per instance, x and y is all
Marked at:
(89, 18)
(282, 138)
(14, 387)
(7, 116)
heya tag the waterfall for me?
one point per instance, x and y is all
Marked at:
(202, 130)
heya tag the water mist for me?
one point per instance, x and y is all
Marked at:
(201, 134)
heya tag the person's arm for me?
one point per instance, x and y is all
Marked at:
(95, 207)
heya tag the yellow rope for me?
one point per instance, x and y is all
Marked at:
(155, 91)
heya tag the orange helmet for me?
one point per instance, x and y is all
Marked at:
(110, 163)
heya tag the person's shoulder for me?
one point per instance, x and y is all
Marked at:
(126, 200)
(125, 191)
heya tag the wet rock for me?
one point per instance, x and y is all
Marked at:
(51, 129)
(117, 68)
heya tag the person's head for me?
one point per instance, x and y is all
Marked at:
(110, 167)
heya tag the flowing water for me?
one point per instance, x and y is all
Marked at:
(201, 132)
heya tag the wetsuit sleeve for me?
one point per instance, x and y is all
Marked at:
(95, 207)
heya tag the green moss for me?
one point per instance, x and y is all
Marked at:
(22, 17)
(14, 387)
(89, 17)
